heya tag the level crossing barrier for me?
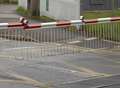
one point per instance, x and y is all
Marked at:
(23, 40)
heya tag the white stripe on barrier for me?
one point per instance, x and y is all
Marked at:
(48, 24)
(11, 25)
(104, 20)
(4, 24)
(21, 19)
(80, 22)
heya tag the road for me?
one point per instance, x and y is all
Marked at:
(88, 69)
(7, 13)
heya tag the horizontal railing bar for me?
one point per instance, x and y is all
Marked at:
(25, 24)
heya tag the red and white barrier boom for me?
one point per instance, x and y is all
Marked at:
(23, 23)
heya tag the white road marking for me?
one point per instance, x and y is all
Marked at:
(87, 70)
(90, 78)
(92, 38)
(19, 48)
(24, 80)
(73, 42)
(73, 71)
(104, 19)
(58, 44)
(112, 41)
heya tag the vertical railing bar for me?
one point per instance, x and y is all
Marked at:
(16, 36)
(54, 39)
(41, 40)
(98, 33)
(110, 34)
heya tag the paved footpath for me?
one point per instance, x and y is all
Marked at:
(7, 13)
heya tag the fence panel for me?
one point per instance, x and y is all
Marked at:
(21, 43)
(102, 35)
(34, 41)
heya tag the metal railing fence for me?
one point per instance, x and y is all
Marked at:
(27, 41)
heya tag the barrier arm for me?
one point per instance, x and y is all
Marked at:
(72, 22)
(13, 25)
(23, 23)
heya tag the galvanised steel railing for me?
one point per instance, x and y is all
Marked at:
(25, 41)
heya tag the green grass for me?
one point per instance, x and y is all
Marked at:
(107, 31)
(20, 10)
(100, 14)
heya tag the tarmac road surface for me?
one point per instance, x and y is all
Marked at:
(88, 69)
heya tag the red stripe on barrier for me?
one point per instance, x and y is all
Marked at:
(32, 26)
(15, 24)
(62, 23)
(90, 21)
(115, 18)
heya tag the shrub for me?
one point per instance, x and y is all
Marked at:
(22, 11)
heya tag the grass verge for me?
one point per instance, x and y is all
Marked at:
(20, 10)
(107, 31)
(100, 14)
